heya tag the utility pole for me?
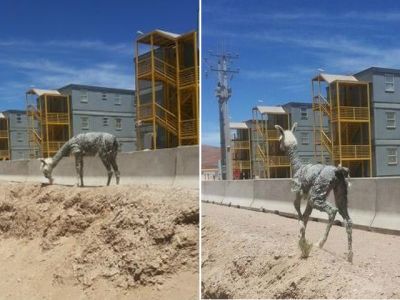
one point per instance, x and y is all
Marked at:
(223, 92)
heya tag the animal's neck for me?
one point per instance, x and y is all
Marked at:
(62, 152)
(294, 158)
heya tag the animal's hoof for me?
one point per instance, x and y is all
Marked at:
(350, 257)
(320, 243)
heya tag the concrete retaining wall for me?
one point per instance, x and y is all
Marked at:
(373, 202)
(173, 166)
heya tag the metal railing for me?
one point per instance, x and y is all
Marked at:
(165, 116)
(189, 128)
(4, 153)
(351, 113)
(54, 146)
(326, 141)
(241, 164)
(240, 144)
(352, 151)
(57, 118)
(187, 76)
(3, 133)
(278, 161)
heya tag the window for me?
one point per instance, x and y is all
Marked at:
(392, 156)
(84, 96)
(118, 124)
(304, 113)
(117, 99)
(19, 137)
(19, 118)
(85, 122)
(104, 96)
(304, 138)
(389, 82)
(390, 119)
(105, 121)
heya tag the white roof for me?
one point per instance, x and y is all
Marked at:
(238, 125)
(271, 109)
(2, 116)
(173, 35)
(41, 92)
(332, 77)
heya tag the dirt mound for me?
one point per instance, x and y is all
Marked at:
(129, 235)
(250, 254)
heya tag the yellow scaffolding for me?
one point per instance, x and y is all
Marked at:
(49, 121)
(269, 160)
(240, 149)
(4, 138)
(345, 102)
(167, 89)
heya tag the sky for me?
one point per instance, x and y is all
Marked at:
(282, 44)
(49, 44)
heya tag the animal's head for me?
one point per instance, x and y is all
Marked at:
(287, 138)
(46, 166)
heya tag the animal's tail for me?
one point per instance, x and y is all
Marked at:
(343, 173)
(341, 190)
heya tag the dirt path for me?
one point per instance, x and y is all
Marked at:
(247, 254)
(124, 242)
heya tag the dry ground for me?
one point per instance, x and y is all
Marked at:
(248, 254)
(117, 242)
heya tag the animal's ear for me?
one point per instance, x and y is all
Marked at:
(294, 126)
(280, 129)
(42, 161)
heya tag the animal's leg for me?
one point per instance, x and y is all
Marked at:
(341, 203)
(306, 215)
(115, 167)
(325, 206)
(305, 247)
(107, 164)
(79, 169)
(297, 205)
(319, 194)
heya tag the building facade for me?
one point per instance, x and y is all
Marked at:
(384, 85)
(167, 89)
(4, 138)
(18, 134)
(54, 116)
(103, 109)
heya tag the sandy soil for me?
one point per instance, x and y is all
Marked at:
(248, 254)
(117, 242)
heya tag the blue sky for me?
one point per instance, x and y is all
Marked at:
(49, 44)
(282, 44)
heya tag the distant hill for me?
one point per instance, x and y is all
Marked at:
(210, 156)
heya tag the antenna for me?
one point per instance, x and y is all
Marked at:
(223, 92)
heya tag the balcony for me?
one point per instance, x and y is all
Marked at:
(4, 154)
(350, 114)
(57, 118)
(54, 146)
(241, 164)
(352, 152)
(187, 77)
(3, 134)
(189, 129)
(278, 161)
(240, 144)
(162, 115)
(161, 67)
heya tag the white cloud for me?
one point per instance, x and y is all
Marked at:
(62, 45)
